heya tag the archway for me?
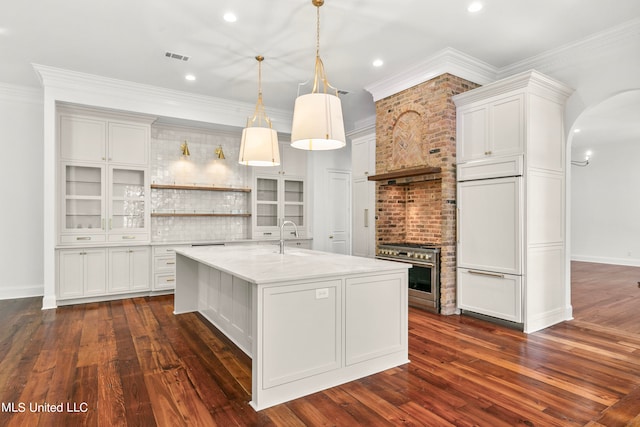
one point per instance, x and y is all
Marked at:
(602, 208)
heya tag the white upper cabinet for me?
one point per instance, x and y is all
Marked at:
(95, 139)
(278, 199)
(83, 139)
(104, 190)
(491, 128)
(363, 156)
(128, 143)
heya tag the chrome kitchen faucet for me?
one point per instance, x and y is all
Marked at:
(282, 236)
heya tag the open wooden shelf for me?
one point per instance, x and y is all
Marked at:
(198, 187)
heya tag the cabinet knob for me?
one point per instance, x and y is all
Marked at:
(487, 153)
(331, 237)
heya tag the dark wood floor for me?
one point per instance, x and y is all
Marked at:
(133, 362)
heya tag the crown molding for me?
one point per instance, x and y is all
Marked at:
(88, 89)
(15, 93)
(467, 67)
(591, 46)
(533, 80)
(448, 60)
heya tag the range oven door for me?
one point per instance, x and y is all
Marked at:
(424, 289)
(424, 285)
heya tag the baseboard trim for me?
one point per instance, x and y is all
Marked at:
(17, 292)
(633, 262)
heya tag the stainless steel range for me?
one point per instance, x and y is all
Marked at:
(424, 276)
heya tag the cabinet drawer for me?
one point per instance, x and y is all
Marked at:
(167, 250)
(490, 168)
(496, 295)
(165, 263)
(128, 238)
(165, 281)
(82, 239)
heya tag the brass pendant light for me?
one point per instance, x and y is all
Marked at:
(259, 146)
(317, 116)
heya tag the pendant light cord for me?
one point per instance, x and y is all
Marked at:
(319, 73)
(259, 113)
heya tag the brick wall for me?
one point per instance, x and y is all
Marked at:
(417, 127)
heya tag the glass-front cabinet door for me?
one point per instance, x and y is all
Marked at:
(294, 201)
(278, 199)
(82, 210)
(267, 202)
(127, 201)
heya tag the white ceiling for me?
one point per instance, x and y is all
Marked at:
(615, 120)
(127, 39)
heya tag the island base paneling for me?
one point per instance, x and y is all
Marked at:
(303, 335)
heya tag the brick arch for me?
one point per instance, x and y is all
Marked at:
(407, 136)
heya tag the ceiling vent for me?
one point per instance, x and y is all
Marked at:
(177, 56)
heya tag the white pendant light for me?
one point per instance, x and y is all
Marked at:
(259, 146)
(317, 117)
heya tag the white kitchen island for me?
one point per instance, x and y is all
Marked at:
(309, 320)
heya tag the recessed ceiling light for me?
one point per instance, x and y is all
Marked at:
(474, 7)
(190, 77)
(230, 17)
(576, 131)
(378, 63)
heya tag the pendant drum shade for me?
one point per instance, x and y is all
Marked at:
(317, 122)
(259, 144)
(259, 147)
(317, 117)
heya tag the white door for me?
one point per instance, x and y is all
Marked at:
(140, 259)
(71, 283)
(119, 270)
(489, 225)
(339, 202)
(95, 271)
(129, 143)
(83, 138)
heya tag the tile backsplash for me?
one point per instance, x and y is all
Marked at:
(201, 168)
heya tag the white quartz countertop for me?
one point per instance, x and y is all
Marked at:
(265, 265)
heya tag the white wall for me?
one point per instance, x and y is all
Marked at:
(605, 210)
(21, 177)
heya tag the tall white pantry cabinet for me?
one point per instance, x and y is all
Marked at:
(511, 201)
(103, 205)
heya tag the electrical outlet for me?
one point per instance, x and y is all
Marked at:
(322, 293)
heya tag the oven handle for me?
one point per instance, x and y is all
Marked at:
(484, 273)
(407, 261)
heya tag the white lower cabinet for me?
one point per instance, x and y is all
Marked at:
(491, 294)
(164, 267)
(129, 269)
(82, 272)
(97, 273)
(311, 312)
